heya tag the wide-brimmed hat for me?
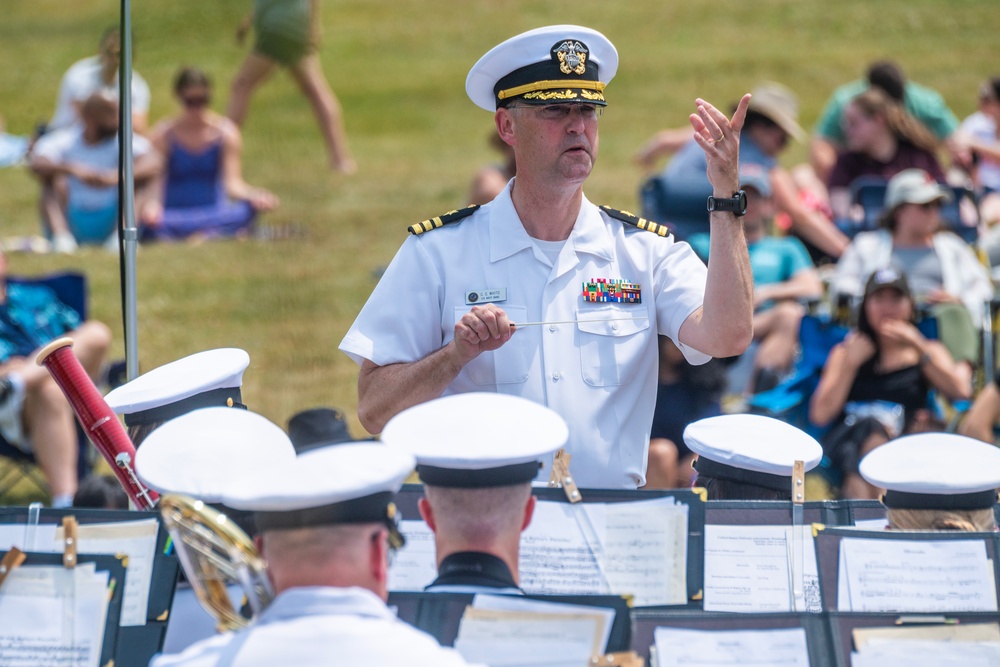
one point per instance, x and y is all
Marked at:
(779, 104)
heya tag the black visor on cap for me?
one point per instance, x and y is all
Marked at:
(934, 501)
(227, 396)
(569, 75)
(518, 473)
(710, 468)
(376, 508)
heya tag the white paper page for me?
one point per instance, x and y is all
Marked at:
(645, 550)
(51, 616)
(514, 603)
(555, 558)
(917, 576)
(916, 653)
(135, 539)
(415, 566)
(747, 569)
(501, 638)
(871, 524)
(13, 535)
(676, 647)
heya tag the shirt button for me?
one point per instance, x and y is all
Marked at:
(614, 326)
(552, 327)
(556, 376)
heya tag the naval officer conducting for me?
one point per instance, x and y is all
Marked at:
(442, 319)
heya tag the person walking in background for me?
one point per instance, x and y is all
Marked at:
(203, 193)
(287, 35)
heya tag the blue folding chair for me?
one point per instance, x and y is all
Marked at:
(868, 193)
(71, 289)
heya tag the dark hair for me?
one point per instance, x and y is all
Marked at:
(865, 327)
(994, 86)
(190, 77)
(137, 433)
(754, 118)
(102, 492)
(888, 77)
(727, 489)
(875, 102)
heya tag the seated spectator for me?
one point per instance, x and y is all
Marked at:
(491, 180)
(204, 194)
(980, 133)
(982, 418)
(936, 481)
(783, 277)
(876, 383)
(942, 269)
(13, 148)
(772, 119)
(882, 140)
(101, 492)
(99, 74)
(81, 162)
(684, 393)
(924, 104)
(34, 414)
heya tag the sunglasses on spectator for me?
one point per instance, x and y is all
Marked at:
(196, 101)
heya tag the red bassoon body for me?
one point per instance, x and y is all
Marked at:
(98, 420)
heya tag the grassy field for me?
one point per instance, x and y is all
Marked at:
(399, 70)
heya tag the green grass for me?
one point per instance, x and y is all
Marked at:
(399, 70)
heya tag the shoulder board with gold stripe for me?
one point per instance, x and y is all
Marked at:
(636, 221)
(448, 218)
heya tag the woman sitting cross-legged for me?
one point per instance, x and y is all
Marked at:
(203, 191)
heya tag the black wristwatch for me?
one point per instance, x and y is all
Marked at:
(737, 204)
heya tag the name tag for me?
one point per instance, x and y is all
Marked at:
(476, 297)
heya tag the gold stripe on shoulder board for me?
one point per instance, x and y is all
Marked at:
(448, 218)
(636, 221)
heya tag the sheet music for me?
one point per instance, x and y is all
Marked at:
(51, 616)
(918, 653)
(644, 544)
(135, 539)
(747, 569)
(678, 647)
(915, 576)
(527, 639)
(516, 603)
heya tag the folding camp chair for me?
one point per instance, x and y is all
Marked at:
(960, 215)
(71, 289)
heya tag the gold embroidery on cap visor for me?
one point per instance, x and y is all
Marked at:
(535, 90)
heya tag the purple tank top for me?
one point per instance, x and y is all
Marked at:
(193, 178)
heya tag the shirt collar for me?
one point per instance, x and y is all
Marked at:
(508, 236)
(474, 568)
(324, 601)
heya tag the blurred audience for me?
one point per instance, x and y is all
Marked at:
(287, 35)
(34, 413)
(921, 102)
(942, 269)
(876, 384)
(882, 139)
(772, 120)
(202, 193)
(81, 163)
(491, 180)
(982, 418)
(99, 74)
(101, 492)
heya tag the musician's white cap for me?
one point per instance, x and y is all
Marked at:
(349, 483)
(201, 453)
(551, 65)
(513, 437)
(204, 379)
(752, 449)
(935, 471)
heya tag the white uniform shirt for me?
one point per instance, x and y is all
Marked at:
(320, 626)
(68, 146)
(82, 80)
(601, 376)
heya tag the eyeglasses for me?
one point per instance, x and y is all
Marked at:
(196, 101)
(560, 112)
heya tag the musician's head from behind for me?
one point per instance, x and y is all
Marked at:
(326, 517)
(202, 452)
(212, 378)
(750, 457)
(477, 454)
(936, 481)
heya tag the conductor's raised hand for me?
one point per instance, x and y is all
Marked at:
(719, 137)
(482, 329)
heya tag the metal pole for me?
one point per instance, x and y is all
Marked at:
(127, 234)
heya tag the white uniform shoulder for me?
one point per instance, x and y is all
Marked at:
(449, 218)
(636, 221)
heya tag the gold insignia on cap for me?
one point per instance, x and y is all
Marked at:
(390, 511)
(572, 57)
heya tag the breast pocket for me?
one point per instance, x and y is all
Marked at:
(506, 365)
(610, 341)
